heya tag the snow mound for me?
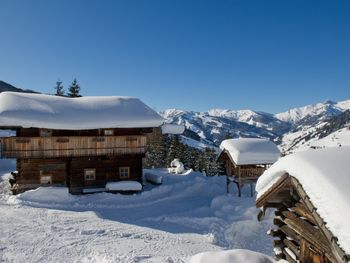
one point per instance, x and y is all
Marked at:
(124, 186)
(54, 112)
(47, 194)
(251, 150)
(169, 128)
(154, 178)
(231, 256)
(324, 175)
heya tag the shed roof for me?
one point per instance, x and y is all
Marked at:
(244, 151)
(54, 112)
(325, 177)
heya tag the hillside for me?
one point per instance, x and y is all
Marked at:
(8, 87)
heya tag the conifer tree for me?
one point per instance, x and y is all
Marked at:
(59, 88)
(74, 89)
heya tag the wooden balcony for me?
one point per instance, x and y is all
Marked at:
(73, 146)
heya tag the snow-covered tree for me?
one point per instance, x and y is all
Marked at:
(59, 88)
(74, 89)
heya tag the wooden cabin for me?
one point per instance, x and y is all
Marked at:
(80, 143)
(310, 194)
(245, 159)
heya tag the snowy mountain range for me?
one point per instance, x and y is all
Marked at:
(290, 130)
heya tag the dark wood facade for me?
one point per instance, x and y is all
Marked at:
(240, 174)
(300, 234)
(84, 161)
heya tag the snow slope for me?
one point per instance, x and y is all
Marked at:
(54, 112)
(168, 223)
(330, 168)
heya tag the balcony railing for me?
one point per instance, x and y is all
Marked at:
(73, 146)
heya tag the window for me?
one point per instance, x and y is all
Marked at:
(89, 174)
(108, 132)
(46, 179)
(124, 172)
(45, 133)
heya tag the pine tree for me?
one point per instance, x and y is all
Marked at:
(155, 150)
(74, 89)
(59, 88)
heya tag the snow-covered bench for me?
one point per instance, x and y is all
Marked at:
(124, 186)
(154, 178)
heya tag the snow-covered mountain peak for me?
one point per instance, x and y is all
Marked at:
(327, 109)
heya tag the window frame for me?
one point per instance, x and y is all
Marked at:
(88, 176)
(122, 170)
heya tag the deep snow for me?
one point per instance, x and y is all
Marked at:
(184, 216)
(55, 112)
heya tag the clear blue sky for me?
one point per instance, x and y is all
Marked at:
(194, 55)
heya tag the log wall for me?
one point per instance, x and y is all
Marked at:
(70, 172)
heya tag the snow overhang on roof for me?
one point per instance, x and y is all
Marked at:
(54, 112)
(324, 176)
(245, 151)
(168, 128)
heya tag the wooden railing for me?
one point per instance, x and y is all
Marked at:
(40, 147)
(251, 172)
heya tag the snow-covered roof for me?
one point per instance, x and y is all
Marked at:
(170, 128)
(251, 150)
(325, 176)
(54, 112)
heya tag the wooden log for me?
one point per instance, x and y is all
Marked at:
(306, 230)
(301, 210)
(290, 233)
(293, 247)
(290, 257)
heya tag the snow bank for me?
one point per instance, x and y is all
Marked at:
(49, 194)
(231, 256)
(124, 186)
(324, 175)
(251, 150)
(169, 128)
(54, 112)
(154, 178)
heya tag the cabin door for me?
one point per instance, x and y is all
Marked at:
(311, 254)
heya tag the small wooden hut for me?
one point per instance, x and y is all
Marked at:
(81, 143)
(245, 159)
(310, 192)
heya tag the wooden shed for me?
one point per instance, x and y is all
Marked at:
(81, 143)
(245, 159)
(310, 194)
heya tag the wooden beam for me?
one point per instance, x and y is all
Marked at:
(301, 210)
(295, 249)
(290, 232)
(306, 230)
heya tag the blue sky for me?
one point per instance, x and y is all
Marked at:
(194, 55)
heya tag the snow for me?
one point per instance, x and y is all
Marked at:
(251, 150)
(231, 256)
(171, 222)
(324, 175)
(176, 166)
(154, 178)
(54, 112)
(124, 186)
(168, 128)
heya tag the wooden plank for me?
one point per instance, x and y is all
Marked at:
(290, 232)
(301, 210)
(293, 247)
(306, 230)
